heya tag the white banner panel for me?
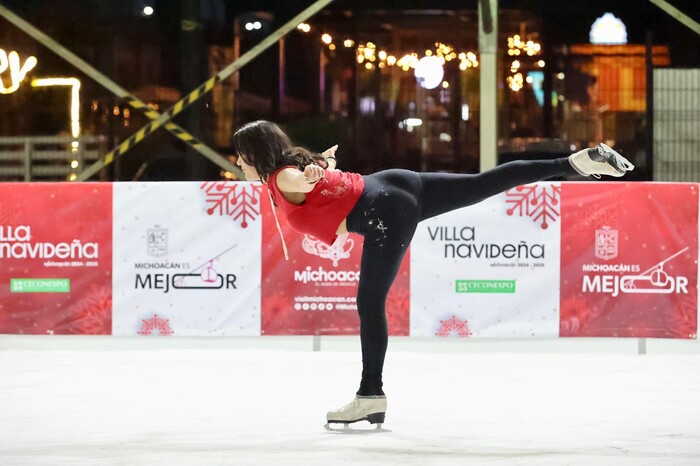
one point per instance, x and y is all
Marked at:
(186, 258)
(490, 270)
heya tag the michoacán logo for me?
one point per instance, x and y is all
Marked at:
(485, 286)
(40, 285)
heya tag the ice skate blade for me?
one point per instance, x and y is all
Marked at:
(346, 429)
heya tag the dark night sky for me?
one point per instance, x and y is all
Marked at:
(564, 21)
(570, 19)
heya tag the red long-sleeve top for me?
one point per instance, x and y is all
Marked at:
(325, 207)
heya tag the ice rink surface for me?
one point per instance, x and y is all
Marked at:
(250, 406)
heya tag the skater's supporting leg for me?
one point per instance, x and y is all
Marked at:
(377, 272)
(387, 216)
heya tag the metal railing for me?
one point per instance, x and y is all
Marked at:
(47, 158)
(677, 124)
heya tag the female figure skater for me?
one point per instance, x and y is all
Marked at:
(385, 208)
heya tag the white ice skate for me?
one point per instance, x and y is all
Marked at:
(362, 408)
(600, 160)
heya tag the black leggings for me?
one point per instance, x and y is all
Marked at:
(387, 214)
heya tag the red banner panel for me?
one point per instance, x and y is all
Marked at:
(56, 258)
(629, 260)
(314, 292)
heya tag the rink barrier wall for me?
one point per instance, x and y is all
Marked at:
(204, 260)
(317, 343)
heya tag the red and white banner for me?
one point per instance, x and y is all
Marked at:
(629, 260)
(314, 292)
(56, 258)
(596, 259)
(491, 269)
(187, 259)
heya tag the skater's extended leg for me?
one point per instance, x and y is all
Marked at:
(445, 192)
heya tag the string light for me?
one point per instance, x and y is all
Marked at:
(515, 82)
(518, 47)
(367, 55)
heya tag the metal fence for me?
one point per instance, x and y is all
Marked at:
(47, 158)
(677, 124)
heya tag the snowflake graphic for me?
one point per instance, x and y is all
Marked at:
(155, 324)
(91, 315)
(454, 327)
(541, 203)
(241, 201)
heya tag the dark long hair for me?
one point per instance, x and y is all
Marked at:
(266, 147)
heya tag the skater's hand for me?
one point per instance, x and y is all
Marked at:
(329, 157)
(313, 173)
(329, 152)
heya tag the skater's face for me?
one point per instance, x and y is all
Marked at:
(261, 147)
(249, 171)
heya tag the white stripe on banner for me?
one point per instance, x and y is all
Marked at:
(186, 259)
(490, 270)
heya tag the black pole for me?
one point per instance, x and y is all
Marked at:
(193, 74)
(112, 102)
(547, 86)
(456, 118)
(649, 136)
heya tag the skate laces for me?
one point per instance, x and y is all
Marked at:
(352, 404)
(617, 160)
